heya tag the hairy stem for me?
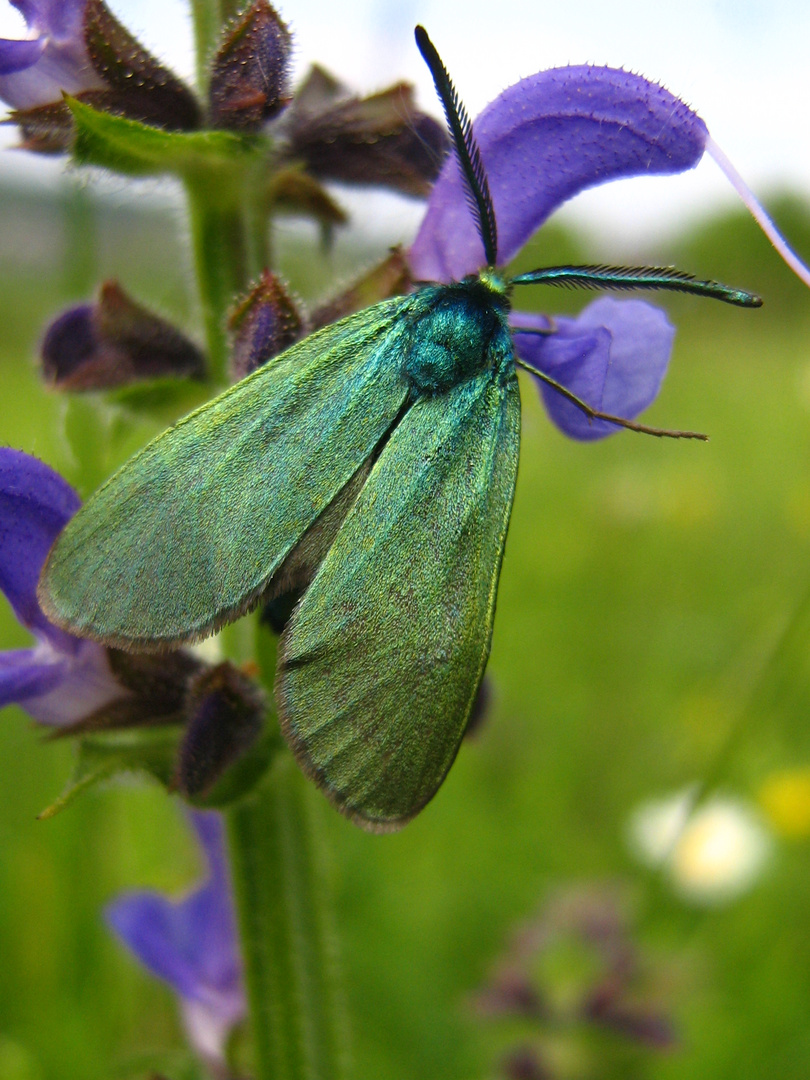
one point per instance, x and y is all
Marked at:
(207, 17)
(220, 262)
(287, 947)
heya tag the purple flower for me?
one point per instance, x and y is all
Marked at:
(191, 944)
(53, 60)
(613, 355)
(542, 141)
(62, 678)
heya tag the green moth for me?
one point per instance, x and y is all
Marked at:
(368, 469)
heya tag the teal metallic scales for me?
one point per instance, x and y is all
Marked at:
(375, 463)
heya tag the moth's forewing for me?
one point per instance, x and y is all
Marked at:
(301, 564)
(186, 535)
(382, 660)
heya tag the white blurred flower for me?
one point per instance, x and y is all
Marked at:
(710, 853)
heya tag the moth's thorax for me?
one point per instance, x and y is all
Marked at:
(457, 331)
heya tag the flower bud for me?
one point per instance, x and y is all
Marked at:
(250, 71)
(292, 191)
(638, 1022)
(263, 324)
(137, 85)
(105, 67)
(45, 129)
(115, 342)
(576, 973)
(381, 140)
(225, 710)
(510, 992)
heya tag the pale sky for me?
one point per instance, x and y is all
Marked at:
(742, 65)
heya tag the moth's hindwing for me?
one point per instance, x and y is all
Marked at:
(382, 660)
(186, 535)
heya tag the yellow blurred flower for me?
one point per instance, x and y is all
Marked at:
(785, 801)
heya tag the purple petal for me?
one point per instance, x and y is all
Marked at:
(113, 342)
(63, 678)
(60, 69)
(37, 72)
(18, 55)
(69, 341)
(209, 1027)
(544, 140)
(57, 19)
(76, 686)
(35, 12)
(24, 673)
(35, 505)
(191, 943)
(613, 356)
(210, 834)
(55, 688)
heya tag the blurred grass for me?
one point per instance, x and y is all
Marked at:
(644, 584)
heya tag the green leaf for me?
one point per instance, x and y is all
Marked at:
(135, 149)
(146, 750)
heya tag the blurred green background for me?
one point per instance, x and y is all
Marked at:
(651, 633)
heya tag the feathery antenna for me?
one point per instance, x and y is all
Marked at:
(636, 277)
(469, 156)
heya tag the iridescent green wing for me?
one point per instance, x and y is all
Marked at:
(382, 660)
(187, 534)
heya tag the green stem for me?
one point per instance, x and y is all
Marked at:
(257, 230)
(775, 680)
(276, 857)
(218, 241)
(81, 242)
(287, 947)
(207, 17)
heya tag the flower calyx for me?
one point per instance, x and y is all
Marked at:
(115, 342)
(249, 81)
(117, 75)
(263, 323)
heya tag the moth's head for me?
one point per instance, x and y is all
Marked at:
(496, 283)
(489, 287)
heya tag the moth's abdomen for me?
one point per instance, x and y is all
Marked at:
(457, 332)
